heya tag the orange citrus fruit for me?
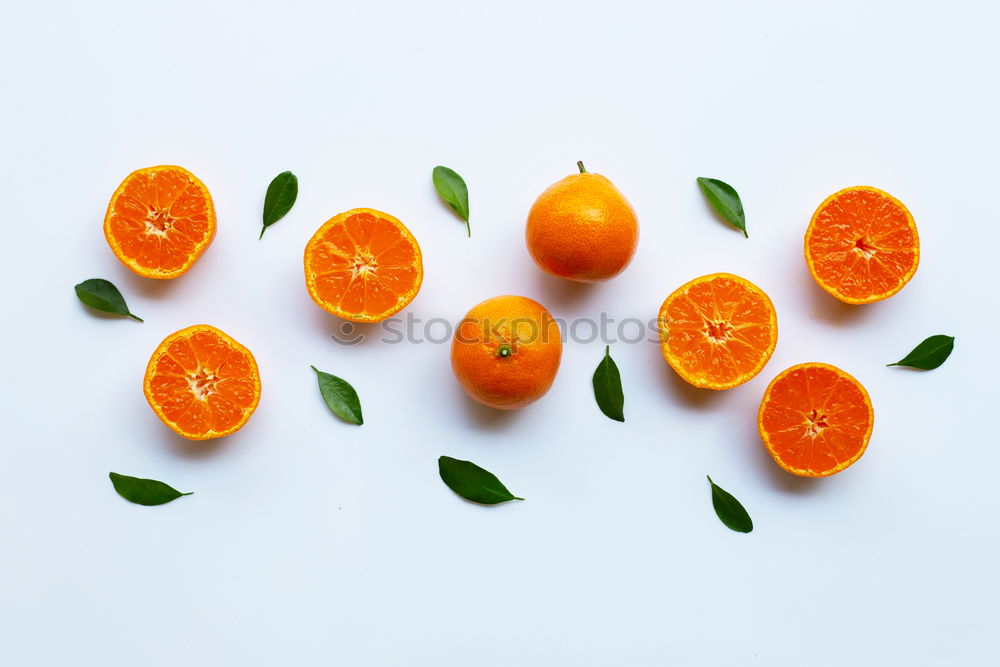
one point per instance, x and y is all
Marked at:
(202, 383)
(506, 351)
(363, 265)
(718, 331)
(160, 220)
(582, 228)
(815, 419)
(861, 245)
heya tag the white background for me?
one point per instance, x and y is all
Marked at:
(310, 541)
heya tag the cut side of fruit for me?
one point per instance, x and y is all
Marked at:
(815, 420)
(159, 221)
(363, 265)
(718, 331)
(202, 383)
(861, 245)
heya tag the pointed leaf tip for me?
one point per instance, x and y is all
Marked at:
(279, 199)
(453, 191)
(103, 296)
(608, 392)
(144, 491)
(340, 397)
(929, 354)
(729, 510)
(473, 483)
(725, 201)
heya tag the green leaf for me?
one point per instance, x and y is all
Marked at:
(608, 387)
(452, 189)
(101, 295)
(340, 397)
(729, 509)
(280, 198)
(472, 482)
(726, 202)
(929, 354)
(144, 491)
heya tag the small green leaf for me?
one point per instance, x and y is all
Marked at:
(452, 189)
(472, 482)
(101, 295)
(340, 397)
(726, 202)
(608, 387)
(929, 354)
(729, 509)
(280, 198)
(144, 491)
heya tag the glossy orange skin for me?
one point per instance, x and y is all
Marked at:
(815, 420)
(582, 228)
(862, 245)
(226, 371)
(506, 352)
(159, 221)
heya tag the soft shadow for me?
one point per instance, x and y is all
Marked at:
(715, 214)
(108, 316)
(194, 449)
(687, 394)
(345, 333)
(559, 293)
(783, 481)
(684, 393)
(829, 308)
(484, 417)
(149, 288)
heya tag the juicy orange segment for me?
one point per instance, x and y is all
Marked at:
(202, 383)
(160, 221)
(815, 420)
(363, 265)
(718, 331)
(862, 245)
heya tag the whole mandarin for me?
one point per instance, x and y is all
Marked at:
(506, 351)
(582, 228)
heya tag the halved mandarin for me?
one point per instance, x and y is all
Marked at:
(718, 331)
(363, 265)
(159, 221)
(815, 419)
(202, 383)
(861, 245)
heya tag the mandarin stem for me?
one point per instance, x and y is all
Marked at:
(579, 163)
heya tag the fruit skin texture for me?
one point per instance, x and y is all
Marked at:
(392, 240)
(582, 228)
(175, 366)
(854, 231)
(724, 305)
(822, 395)
(506, 352)
(168, 178)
